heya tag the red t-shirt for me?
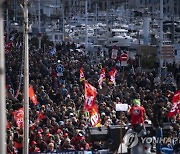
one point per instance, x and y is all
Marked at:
(137, 115)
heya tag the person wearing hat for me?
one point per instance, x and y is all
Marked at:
(34, 147)
(137, 113)
(157, 121)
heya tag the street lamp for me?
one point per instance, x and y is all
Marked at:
(26, 80)
(2, 86)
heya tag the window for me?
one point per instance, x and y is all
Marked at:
(100, 5)
(56, 37)
(150, 9)
(175, 52)
(114, 41)
(164, 10)
(50, 37)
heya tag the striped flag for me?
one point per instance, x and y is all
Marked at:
(102, 77)
(175, 109)
(82, 77)
(90, 105)
(112, 75)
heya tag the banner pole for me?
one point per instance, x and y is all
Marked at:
(121, 131)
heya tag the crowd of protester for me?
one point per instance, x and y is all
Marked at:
(58, 122)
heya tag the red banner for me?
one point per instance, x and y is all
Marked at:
(32, 95)
(102, 77)
(90, 105)
(90, 95)
(112, 75)
(95, 118)
(19, 117)
(82, 77)
(175, 109)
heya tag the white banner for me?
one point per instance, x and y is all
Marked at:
(121, 107)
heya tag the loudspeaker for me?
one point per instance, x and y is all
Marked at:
(98, 133)
(114, 135)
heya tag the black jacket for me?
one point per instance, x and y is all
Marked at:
(157, 119)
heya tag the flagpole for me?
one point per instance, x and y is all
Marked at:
(86, 36)
(26, 81)
(121, 133)
(161, 37)
(2, 86)
(62, 9)
(39, 23)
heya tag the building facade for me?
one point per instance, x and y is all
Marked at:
(171, 7)
(78, 6)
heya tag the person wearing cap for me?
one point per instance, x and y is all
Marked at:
(157, 121)
(76, 138)
(83, 145)
(34, 147)
(137, 113)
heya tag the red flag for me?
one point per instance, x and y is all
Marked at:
(41, 116)
(32, 95)
(95, 118)
(175, 109)
(19, 117)
(90, 95)
(90, 105)
(102, 77)
(112, 75)
(82, 77)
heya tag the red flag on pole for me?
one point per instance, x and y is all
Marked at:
(90, 95)
(102, 77)
(82, 77)
(90, 105)
(19, 117)
(95, 118)
(175, 109)
(32, 95)
(112, 75)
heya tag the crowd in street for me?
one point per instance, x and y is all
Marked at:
(58, 122)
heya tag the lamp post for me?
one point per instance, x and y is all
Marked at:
(86, 13)
(7, 23)
(39, 23)
(62, 9)
(161, 35)
(26, 80)
(107, 17)
(2, 86)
